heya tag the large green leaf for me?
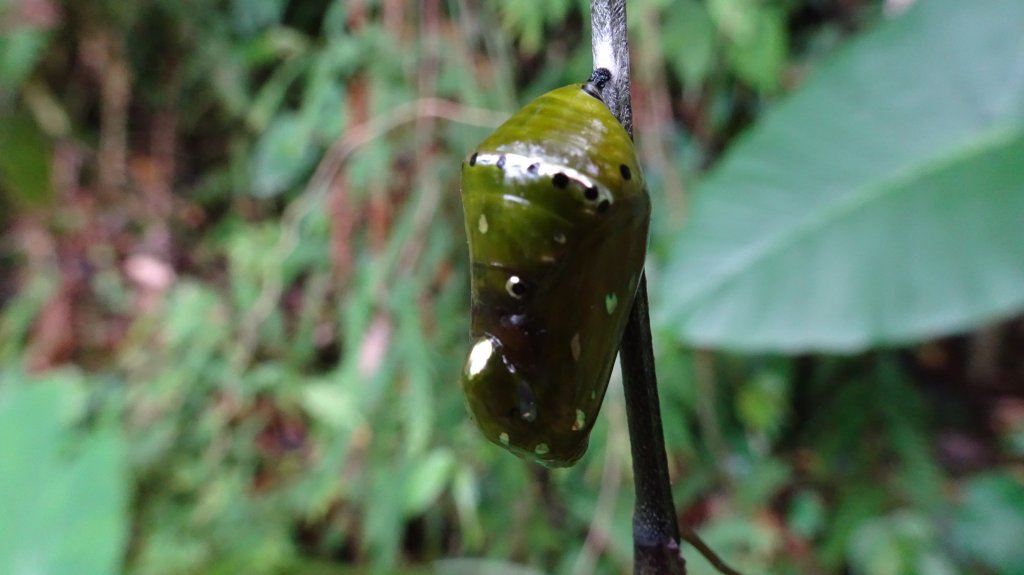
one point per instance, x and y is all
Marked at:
(882, 203)
(63, 491)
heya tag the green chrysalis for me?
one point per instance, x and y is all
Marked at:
(556, 214)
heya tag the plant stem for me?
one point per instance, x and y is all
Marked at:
(655, 530)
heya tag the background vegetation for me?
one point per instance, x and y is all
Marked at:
(234, 286)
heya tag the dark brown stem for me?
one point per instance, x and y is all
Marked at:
(655, 530)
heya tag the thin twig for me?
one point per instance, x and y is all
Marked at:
(655, 529)
(691, 537)
(611, 52)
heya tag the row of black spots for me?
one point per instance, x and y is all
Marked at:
(501, 163)
(560, 179)
(591, 193)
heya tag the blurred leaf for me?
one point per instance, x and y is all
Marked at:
(426, 480)
(886, 545)
(383, 522)
(762, 401)
(20, 51)
(195, 317)
(831, 225)
(481, 567)
(761, 482)
(527, 20)
(903, 543)
(736, 19)
(742, 541)
(759, 57)
(903, 416)
(251, 16)
(691, 44)
(807, 514)
(935, 564)
(860, 503)
(466, 492)
(19, 313)
(268, 101)
(368, 169)
(990, 519)
(284, 155)
(324, 105)
(25, 159)
(332, 405)
(755, 34)
(63, 492)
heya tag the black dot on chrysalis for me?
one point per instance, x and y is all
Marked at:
(603, 206)
(472, 160)
(598, 80)
(626, 173)
(560, 180)
(533, 168)
(590, 193)
(501, 162)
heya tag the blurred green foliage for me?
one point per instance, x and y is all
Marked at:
(64, 491)
(234, 313)
(879, 205)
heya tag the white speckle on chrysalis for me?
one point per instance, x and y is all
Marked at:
(581, 420)
(479, 355)
(559, 238)
(515, 287)
(503, 438)
(611, 301)
(482, 224)
(541, 449)
(574, 347)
